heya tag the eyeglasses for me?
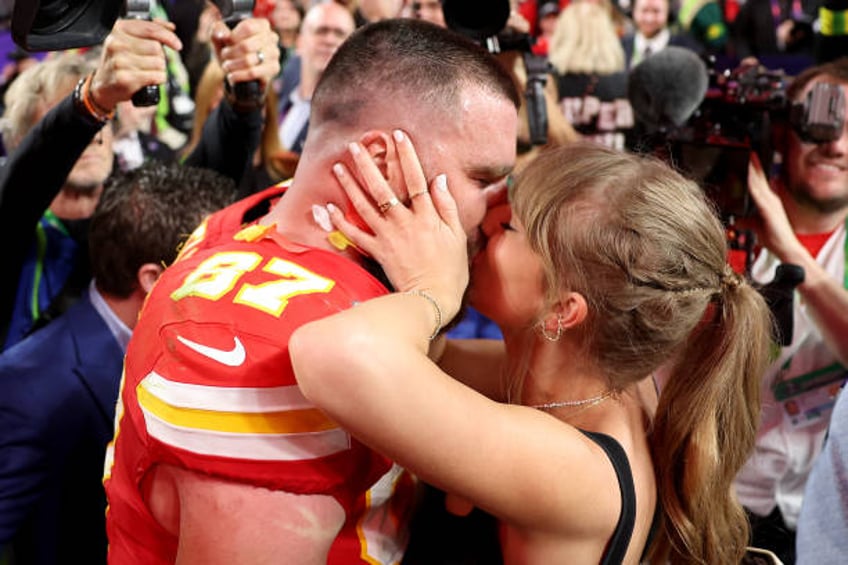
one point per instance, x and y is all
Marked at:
(337, 32)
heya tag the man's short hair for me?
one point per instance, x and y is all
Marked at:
(837, 70)
(145, 214)
(403, 59)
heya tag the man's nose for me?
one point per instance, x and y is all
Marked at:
(497, 216)
(497, 193)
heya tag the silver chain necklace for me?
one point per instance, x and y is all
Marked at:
(586, 402)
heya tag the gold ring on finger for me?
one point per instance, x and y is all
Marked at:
(390, 203)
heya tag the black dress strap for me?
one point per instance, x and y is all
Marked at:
(620, 540)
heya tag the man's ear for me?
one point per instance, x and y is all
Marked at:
(147, 276)
(380, 145)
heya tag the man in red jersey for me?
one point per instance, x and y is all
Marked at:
(218, 458)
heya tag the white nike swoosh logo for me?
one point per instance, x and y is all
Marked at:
(232, 358)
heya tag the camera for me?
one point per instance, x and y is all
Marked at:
(54, 25)
(707, 124)
(736, 117)
(484, 21)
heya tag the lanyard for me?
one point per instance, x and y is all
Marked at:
(41, 250)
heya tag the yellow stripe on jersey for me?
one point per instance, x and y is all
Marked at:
(275, 423)
(288, 422)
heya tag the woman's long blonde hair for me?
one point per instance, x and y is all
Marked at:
(648, 253)
(585, 41)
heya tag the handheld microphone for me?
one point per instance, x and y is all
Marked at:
(666, 88)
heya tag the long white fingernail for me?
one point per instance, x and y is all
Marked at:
(338, 169)
(442, 182)
(398, 135)
(332, 208)
(322, 217)
(354, 148)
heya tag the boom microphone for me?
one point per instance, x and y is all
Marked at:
(667, 87)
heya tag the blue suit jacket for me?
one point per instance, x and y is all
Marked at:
(58, 390)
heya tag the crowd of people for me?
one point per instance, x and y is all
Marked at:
(342, 296)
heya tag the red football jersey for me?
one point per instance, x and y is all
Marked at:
(208, 386)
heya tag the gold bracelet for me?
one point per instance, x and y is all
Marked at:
(436, 307)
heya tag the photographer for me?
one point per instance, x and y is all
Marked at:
(49, 121)
(802, 221)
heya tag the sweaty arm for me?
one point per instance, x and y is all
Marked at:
(221, 522)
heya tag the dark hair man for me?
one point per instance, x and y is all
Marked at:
(218, 457)
(58, 387)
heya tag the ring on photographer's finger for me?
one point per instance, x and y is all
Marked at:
(260, 56)
(390, 203)
(419, 193)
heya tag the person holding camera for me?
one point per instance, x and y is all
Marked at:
(802, 221)
(60, 113)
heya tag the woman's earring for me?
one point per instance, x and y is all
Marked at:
(552, 337)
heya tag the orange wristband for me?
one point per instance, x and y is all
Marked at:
(83, 94)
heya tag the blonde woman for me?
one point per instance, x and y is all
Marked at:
(608, 267)
(586, 54)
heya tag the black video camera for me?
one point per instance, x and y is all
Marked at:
(736, 117)
(54, 25)
(713, 146)
(485, 21)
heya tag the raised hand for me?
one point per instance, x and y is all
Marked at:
(132, 58)
(420, 244)
(250, 51)
(772, 224)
